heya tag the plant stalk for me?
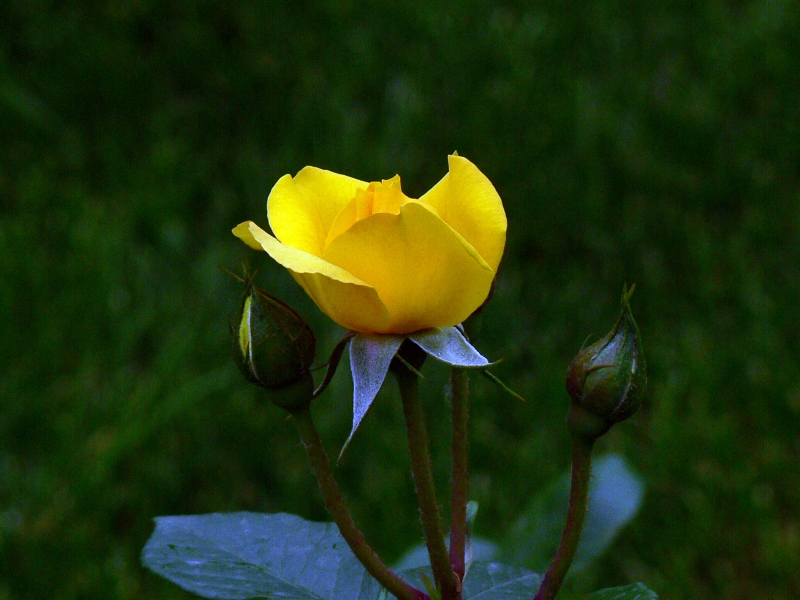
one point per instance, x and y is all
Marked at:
(459, 385)
(445, 579)
(578, 503)
(337, 506)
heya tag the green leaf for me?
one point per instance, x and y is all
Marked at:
(635, 591)
(495, 581)
(243, 556)
(487, 581)
(239, 556)
(477, 549)
(615, 495)
(482, 551)
(469, 549)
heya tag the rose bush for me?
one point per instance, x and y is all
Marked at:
(377, 261)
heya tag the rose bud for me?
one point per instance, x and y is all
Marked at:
(607, 380)
(274, 348)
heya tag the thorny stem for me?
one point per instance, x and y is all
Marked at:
(446, 581)
(341, 515)
(578, 502)
(459, 385)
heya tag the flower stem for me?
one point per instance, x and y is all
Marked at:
(341, 515)
(459, 384)
(578, 502)
(443, 575)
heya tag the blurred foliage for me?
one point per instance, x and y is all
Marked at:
(654, 143)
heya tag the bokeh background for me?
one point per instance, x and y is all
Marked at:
(654, 143)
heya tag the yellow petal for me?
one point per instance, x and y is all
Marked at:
(294, 218)
(345, 298)
(424, 273)
(384, 197)
(387, 196)
(343, 221)
(467, 200)
(301, 209)
(352, 306)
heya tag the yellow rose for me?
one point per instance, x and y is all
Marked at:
(377, 261)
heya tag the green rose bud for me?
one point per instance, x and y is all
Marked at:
(607, 380)
(274, 348)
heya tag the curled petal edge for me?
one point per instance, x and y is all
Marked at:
(334, 289)
(293, 259)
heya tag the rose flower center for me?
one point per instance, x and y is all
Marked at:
(379, 197)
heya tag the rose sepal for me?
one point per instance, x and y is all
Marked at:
(371, 356)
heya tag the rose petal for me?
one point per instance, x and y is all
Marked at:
(425, 274)
(301, 209)
(346, 299)
(385, 197)
(467, 201)
(343, 221)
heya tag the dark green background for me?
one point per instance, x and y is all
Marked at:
(654, 143)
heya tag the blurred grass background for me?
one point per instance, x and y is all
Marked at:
(654, 143)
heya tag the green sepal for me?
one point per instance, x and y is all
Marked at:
(496, 380)
(333, 363)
